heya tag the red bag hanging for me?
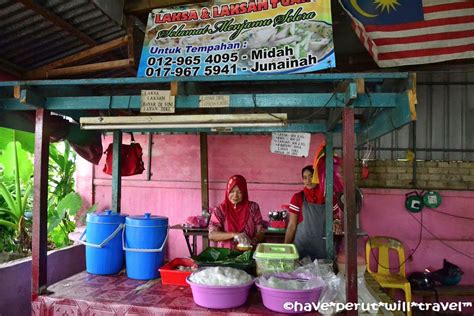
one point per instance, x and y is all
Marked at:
(132, 162)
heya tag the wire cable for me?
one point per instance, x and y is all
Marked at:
(254, 99)
(452, 215)
(316, 112)
(440, 240)
(319, 110)
(408, 257)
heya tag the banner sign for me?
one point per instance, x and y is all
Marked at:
(214, 101)
(291, 144)
(157, 101)
(226, 37)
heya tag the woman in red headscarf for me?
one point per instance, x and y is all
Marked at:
(236, 218)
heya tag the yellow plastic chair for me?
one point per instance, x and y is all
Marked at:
(383, 275)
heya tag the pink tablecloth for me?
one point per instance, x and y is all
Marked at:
(86, 294)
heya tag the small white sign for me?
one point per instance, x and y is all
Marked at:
(214, 101)
(292, 144)
(157, 101)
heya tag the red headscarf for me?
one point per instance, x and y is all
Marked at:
(236, 215)
(314, 195)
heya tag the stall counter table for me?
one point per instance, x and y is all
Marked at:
(194, 233)
(87, 294)
(191, 235)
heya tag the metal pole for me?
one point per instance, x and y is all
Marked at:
(150, 156)
(39, 263)
(116, 176)
(350, 238)
(329, 196)
(413, 128)
(204, 172)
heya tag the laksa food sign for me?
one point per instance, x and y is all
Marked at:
(239, 38)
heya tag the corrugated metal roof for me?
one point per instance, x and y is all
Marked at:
(32, 35)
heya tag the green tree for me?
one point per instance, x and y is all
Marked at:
(63, 202)
(16, 188)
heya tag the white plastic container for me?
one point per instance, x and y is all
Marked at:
(272, 258)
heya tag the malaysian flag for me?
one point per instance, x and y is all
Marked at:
(409, 32)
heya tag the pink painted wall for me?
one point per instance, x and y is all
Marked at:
(384, 214)
(174, 191)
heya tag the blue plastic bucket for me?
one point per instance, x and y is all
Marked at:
(104, 254)
(144, 244)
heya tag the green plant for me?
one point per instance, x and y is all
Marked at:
(91, 209)
(61, 219)
(63, 202)
(15, 188)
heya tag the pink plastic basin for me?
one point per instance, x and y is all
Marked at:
(219, 297)
(274, 299)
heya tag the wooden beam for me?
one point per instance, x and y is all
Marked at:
(351, 87)
(329, 196)
(145, 6)
(17, 92)
(53, 18)
(137, 39)
(76, 70)
(350, 94)
(130, 34)
(335, 116)
(39, 258)
(116, 176)
(42, 71)
(388, 120)
(350, 237)
(29, 97)
(244, 79)
(412, 99)
(132, 71)
(174, 88)
(288, 100)
(360, 84)
(11, 68)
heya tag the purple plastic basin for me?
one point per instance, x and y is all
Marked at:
(219, 297)
(274, 299)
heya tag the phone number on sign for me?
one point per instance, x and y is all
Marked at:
(191, 71)
(192, 60)
(215, 64)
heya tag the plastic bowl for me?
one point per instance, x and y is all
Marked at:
(275, 299)
(451, 280)
(220, 297)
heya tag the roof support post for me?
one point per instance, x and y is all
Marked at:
(116, 175)
(350, 238)
(204, 172)
(39, 268)
(150, 156)
(329, 196)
